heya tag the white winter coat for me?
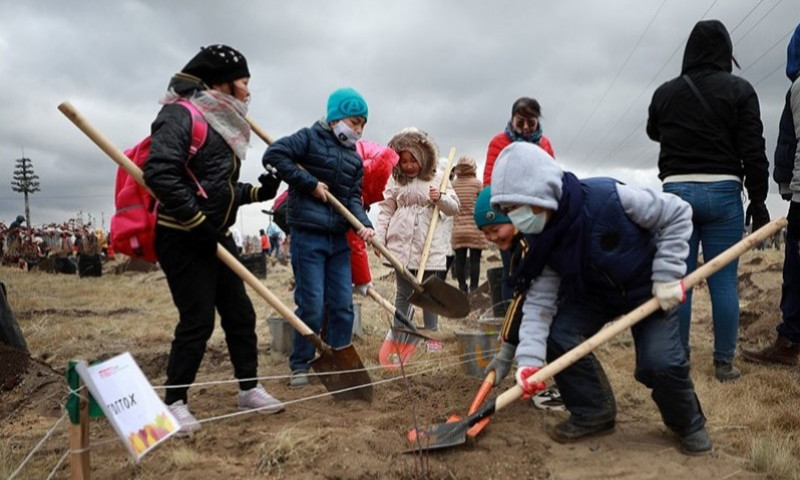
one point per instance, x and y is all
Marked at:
(404, 219)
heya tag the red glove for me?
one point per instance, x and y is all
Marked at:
(529, 388)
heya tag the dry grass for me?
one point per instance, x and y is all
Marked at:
(775, 456)
(285, 448)
(64, 317)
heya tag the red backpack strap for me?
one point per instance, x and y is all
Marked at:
(199, 134)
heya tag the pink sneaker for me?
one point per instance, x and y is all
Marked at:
(435, 346)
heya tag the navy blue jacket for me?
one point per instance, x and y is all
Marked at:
(324, 159)
(786, 146)
(619, 253)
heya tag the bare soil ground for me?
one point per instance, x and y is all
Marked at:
(754, 422)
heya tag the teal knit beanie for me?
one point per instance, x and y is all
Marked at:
(346, 102)
(484, 214)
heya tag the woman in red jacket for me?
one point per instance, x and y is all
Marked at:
(524, 126)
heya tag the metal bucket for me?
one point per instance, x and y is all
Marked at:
(281, 332)
(476, 350)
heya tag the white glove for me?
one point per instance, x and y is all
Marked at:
(362, 288)
(529, 387)
(669, 294)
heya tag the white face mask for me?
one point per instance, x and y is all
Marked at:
(346, 135)
(526, 221)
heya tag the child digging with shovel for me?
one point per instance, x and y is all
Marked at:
(597, 249)
(320, 254)
(406, 212)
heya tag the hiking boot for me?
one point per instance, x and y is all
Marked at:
(185, 419)
(549, 399)
(725, 371)
(781, 351)
(697, 443)
(568, 431)
(258, 399)
(298, 379)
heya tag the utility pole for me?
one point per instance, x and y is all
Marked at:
(25, 181)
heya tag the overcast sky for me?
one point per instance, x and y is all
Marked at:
(452, 68)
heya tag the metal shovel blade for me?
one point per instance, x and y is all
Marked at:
(438, 296)
(343, 374)
(451, 434)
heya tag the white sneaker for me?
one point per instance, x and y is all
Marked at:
(549, 399)
(258, 399)
(185, 419)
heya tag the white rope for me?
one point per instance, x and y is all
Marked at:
(470, 355)
(38, 445)
(60, 461)
(326, 394)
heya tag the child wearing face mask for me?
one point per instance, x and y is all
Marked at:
(409, 199)
(597, 250)
(318, 161)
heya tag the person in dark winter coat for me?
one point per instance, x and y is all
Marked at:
(317, 161)
(192, 222)
(709, 126)
(786, 347)
(597, 249)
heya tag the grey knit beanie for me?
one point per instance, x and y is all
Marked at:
(524, 174)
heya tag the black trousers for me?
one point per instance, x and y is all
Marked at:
(459, 267)
(200, 284)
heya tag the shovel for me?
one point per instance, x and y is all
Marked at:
(446, 435)
(352, 383)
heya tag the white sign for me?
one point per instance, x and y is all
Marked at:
(129, 402)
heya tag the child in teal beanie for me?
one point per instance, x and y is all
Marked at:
(318, 161)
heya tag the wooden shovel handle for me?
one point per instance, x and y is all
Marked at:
(227, 258)
(643, 311)
(426, 249)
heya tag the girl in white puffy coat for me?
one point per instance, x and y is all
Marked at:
(407, 209)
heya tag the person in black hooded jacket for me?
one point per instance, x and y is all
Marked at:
(709, 125)
(198, 204)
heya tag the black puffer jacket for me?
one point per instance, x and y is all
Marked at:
(694, 141)
(326, 160)
(215, 166)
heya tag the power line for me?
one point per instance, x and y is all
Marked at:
(619, 71)
(759, 21)
(746, 16)
(772, 72)
(778, 42)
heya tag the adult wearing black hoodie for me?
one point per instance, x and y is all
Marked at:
(709, 125)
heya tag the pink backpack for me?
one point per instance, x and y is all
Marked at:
(133, 225)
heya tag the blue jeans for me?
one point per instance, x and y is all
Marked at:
(718, 222)
(323, 291)
(790, 296)
(661, 365)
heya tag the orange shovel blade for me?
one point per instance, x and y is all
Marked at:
(397, 349)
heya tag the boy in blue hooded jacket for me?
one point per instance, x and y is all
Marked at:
(318, 161)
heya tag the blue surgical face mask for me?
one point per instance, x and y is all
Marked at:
(526, 221)
(346, 135)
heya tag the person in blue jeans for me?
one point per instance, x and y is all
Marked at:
(786, 347)
(317, 161)
(709, 126)
(597, 250)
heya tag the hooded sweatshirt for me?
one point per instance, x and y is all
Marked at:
(787, 155)
(727, 141)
